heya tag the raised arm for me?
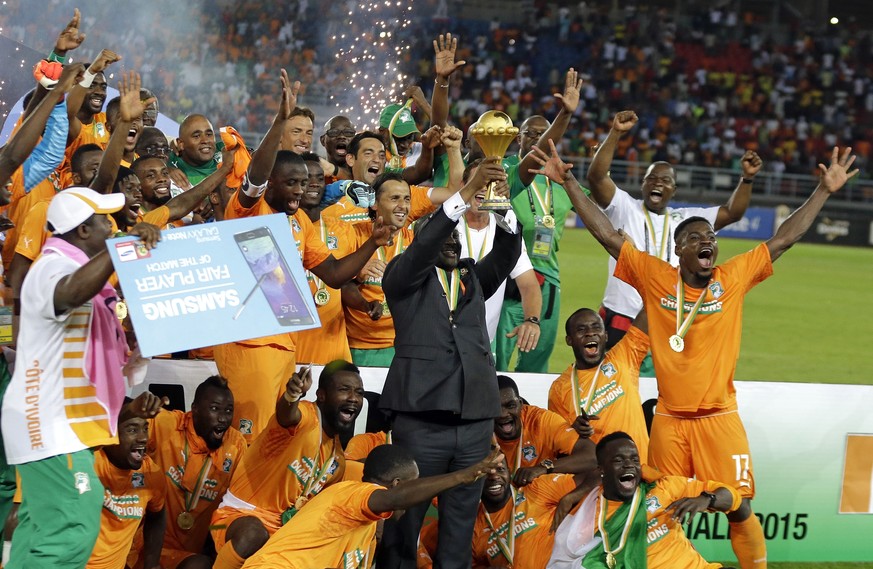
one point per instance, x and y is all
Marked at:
(601, 185)
(422, 170)
(129, 110)
(593, 217)
(264, 157)
(80, 91)
(288, 406)
(569, 102)
(184, 203)
(833, 178)
(445, 65)
(451, 141)
(736, 206)
(411, 492)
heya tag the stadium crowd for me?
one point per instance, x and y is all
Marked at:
(410, 270)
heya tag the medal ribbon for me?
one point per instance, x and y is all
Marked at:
(547, 204)
(317, 473)
(322, 229)
(663, 253)
(682, 326)
(506, 545)
(601, 519)
(583, 404)
(518, 452)
(477, 257)
(451, 287)
(193, 498)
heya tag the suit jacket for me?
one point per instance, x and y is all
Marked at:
(443, 364)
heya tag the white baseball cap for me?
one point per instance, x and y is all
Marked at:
(73, 206)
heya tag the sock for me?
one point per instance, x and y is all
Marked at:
(747, 541)
(228, 558)
(7, 550)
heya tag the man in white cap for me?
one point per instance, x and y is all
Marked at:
(68, 387)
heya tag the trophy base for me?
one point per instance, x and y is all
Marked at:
(495, 204)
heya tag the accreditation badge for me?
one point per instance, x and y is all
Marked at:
(542, 243)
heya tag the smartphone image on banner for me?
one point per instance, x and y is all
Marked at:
(270, 270)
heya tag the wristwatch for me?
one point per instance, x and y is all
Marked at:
(550, 466)
(533, 320)
(711, 497)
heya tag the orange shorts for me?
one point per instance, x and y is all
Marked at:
(714, 447)
(224, 516)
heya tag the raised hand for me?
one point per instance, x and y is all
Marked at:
(488, 171)
(298, 384)
(70, 77)
(227, 160)
(553, 167)
(431, 137)
(415, 93)
(451, 137)
(572, 87)
(70, 38)
(131, 107)
(289, 96)
(836, 175)
(624, 121)
(147, 405)
(444, 64)
(361, 193)
(103, 60)
(751, 164)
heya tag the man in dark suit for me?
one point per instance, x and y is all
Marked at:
(442, 385)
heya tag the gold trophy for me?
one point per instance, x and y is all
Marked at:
(494, 133)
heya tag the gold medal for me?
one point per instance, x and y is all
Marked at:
(610, 560)
(185, 521)
(677, 344)
(385, 310)
(300, 502)
(549, 221)
(322, 296)
(121, 310)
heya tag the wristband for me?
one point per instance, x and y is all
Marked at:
(87, 79)
(52, 56)
(747, 180)
(291, 400)
(712, 498)
(446, 86)
(335, 170)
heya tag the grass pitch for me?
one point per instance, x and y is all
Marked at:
(811, 322)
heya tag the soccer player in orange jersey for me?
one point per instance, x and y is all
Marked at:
(198, 452)
(338, 527)
(636, 515)
(134, 492)
(599, 393)
(297, 455)
(695, 324)
(536, 441)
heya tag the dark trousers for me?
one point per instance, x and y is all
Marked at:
(616, 324)
(438, 449)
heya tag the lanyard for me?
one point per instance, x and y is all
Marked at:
(322, 229)
(649, 229)
(193, 498)
(682, 326)
(451, 285)
(546, 202)
(507, 545)
(478, 256)
(583, 405)
(610, 553)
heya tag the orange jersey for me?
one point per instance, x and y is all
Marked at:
(667, 544)
(159, 217)
(360, 446)
(93, 133)
(335, 529)
(544, 435)
(346, 210)
(699, 379)
(534, 511)
(280, 463)
(329, 342)
(32, 233)
(19, 206)
(364, 332)
(614, 396)
(174, 446)
(128, 494)
(312, 252)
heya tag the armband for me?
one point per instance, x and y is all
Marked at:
(251, 190)
(747, 180)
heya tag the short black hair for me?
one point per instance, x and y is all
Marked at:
(506, 382)
(355, 143)
(123, 173)
(685, 223)
(325, 380)
(78, 158)
(611, 437)
(310, 157)
(572, 316)
(385, 463)
(113, 106)
(211, 382)
(287, 158)
(136, 163)
(146, 135)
